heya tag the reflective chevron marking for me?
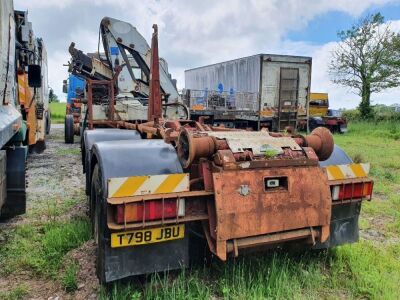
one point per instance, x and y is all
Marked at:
(145, 185)
(338, 172)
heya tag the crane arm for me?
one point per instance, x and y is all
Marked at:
(122, 41)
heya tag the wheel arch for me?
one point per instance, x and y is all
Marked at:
(134, 158)
(338, 157)
(91, 137)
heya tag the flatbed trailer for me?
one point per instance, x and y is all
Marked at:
(160, 189)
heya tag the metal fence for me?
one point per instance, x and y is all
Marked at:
(226, 100)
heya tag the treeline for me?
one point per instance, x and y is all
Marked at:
(379, 113)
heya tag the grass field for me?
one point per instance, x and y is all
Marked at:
(57, 112)
(369, 269)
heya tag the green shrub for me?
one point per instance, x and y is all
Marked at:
(380, 113)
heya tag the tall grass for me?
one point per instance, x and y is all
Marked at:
(40, 248)
(379, 129)
(352, 271)
(57, 112)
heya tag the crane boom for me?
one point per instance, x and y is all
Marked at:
(123, 47)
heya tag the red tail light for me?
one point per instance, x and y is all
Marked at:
(149, 210)
(352, 190)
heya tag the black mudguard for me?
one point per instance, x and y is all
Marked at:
(344, 225)
(135, 158)
(91, 137)
(146, 259)
(338, 157)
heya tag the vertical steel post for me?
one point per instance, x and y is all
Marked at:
(90, 103)
(154, 109)
(112, 108)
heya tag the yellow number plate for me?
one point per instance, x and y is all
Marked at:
(147, 236)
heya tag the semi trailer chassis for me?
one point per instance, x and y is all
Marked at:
(155, 188)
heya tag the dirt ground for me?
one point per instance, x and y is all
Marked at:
(56, 174)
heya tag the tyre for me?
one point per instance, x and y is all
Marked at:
(98, 221)
(69, 129)
(48, 122)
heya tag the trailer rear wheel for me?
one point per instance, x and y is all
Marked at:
(69, 129)
(98, 223)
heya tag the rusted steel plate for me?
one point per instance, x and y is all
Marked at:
(238, 141)
(245, 208)
(270, 239)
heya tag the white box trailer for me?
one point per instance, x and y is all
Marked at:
(264, 90)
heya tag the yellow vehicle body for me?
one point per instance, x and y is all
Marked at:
(319, 104)
(25, 99)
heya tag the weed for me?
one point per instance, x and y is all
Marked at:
(20, 292)
(69, 279)
(57, 112)
(358, 158)
(68, 151)
(40, 248)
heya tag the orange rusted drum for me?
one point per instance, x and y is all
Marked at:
(321, 140)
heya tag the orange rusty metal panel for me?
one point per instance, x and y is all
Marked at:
(244, 208)
(24, 91)
(32, 123)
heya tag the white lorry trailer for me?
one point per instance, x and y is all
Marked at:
(263, 90)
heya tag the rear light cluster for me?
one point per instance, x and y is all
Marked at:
(350, 191)
(149, 210)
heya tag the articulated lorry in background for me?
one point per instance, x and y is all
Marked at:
(163, 191)
(260, 91)
(322, 116)
(24, 115)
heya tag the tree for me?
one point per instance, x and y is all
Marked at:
(53, 97)
(367, 59)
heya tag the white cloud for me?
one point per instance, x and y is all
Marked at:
(194, 33)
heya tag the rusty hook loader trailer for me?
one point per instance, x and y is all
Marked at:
(164, 185)
(24, 115)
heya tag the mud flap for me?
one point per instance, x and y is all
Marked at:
(344, 225)
(15, 203)
(134, 158)
(145, 259)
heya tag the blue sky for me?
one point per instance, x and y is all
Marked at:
(323, 28)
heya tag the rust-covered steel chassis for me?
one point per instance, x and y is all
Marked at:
(233, 190)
